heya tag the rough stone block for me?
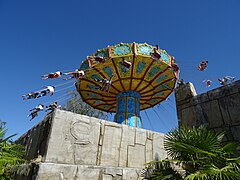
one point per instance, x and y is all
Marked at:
(201, 98)
(60, 146)
(234, 87)
(149, 150)
(236, 132)
(212, 113)
(136, 156)
(201, 117)
(111, 145)
(35, 134)
(185, 91)
(189, 116)
(224, 110)
(113, 124)
(141, 136)
(113, 171)
(128, 138)
(86, 138)
(107, 177)
(220, 92)
(57, 172)
(88, 172)
(149, 135)
(133, 174)
(75, 142)
(233, 103)
(214, 94)
(185, 105)
(179, 116)
(158, 151)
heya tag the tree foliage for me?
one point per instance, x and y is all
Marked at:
(11, 154)
(76, 105)
(199, 152)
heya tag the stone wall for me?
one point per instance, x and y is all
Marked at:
(218, 108)
(81, 147)
(35, 140)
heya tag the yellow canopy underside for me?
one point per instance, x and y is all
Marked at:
(154, 83)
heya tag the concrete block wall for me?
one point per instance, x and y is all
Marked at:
(218, 108)
(81, 147)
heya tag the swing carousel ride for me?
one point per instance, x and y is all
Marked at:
(122, 79)
(127, 78)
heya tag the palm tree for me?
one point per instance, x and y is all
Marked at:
(11, 155)
(200, 154)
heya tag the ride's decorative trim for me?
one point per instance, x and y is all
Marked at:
(101, 54)
(121, 50)
(165, 57)
(145, 49)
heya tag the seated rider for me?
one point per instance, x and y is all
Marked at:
(90, 61)
(155, 55)
(54, 75)
(208, 82)
(105, 84)
(52, 106)
(33, 114)
(226, 80)
(48, 90)
(175, 67)
(202, 65)
(176, 70)
(38, 108)
(78, 74)
(95, 58)
(34, 111)
(125, 63)
(99, 59)
(180, 82)
(31, 95)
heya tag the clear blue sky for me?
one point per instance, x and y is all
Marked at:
(37, 37)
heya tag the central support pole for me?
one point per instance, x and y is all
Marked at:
(127, 111)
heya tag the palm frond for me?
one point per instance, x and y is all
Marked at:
(212, 172)
(189, 143)
(11, 154)
(161, 170)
